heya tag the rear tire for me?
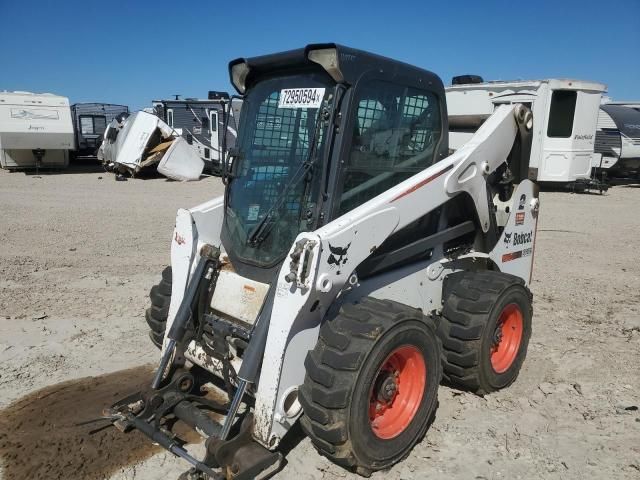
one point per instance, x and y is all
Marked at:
(485, 329)
(371, 386)
(156, 315)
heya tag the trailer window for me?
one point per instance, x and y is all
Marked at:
(86, 125)
(99, 125)
(170, 117)
(214, 122)
(561, 113)
(396, 133)
(93, 124)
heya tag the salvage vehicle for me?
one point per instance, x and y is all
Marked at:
(136, 142)
(350, 265)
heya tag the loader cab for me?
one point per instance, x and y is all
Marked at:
(323, 130)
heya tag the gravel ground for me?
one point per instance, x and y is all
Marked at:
(79, 251)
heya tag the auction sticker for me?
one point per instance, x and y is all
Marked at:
(300, 97)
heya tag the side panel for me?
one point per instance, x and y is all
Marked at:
(515, 249)
(539, 109)
(25, 159)
(193, 228)
(293, 330)
(200, 123)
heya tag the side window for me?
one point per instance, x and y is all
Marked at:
(396, 133)
(86, 125)
(170, 117)
(213, 124)
(561, 113)
(93, 124)
(99, 125)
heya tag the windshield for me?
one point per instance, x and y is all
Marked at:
(275, 174)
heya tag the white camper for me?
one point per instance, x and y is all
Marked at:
(564, 121)
(36, 130)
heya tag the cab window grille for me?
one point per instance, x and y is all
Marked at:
(273, 190)
(396, 134)
(280, 140)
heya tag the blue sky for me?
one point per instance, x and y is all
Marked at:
(131, 52)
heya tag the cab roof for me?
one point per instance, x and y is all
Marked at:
(352, 65)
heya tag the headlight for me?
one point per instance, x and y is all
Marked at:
(239, 74)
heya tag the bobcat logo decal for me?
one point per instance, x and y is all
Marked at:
(338, 255)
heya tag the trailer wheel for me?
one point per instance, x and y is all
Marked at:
(485, 329)
(371, 384)
(156, 314)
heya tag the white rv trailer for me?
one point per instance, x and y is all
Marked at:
(564, 121)
(36, 130)
(618, 139)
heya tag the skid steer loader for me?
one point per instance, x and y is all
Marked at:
(351, 264)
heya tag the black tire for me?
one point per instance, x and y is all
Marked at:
(156, 315)
(473, 305)
(341, 372)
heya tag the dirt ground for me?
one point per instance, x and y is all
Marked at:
(79, 251)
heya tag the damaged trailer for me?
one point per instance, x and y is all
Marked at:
(141, 140)
(201, 122)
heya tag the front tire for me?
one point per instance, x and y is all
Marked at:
(370, 391)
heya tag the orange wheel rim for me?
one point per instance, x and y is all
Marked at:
(397, 392)
(507, 338)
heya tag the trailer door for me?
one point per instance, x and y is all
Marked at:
(570, 135)
(557, 152)
(213, 129)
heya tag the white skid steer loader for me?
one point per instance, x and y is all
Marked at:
(351, 264)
